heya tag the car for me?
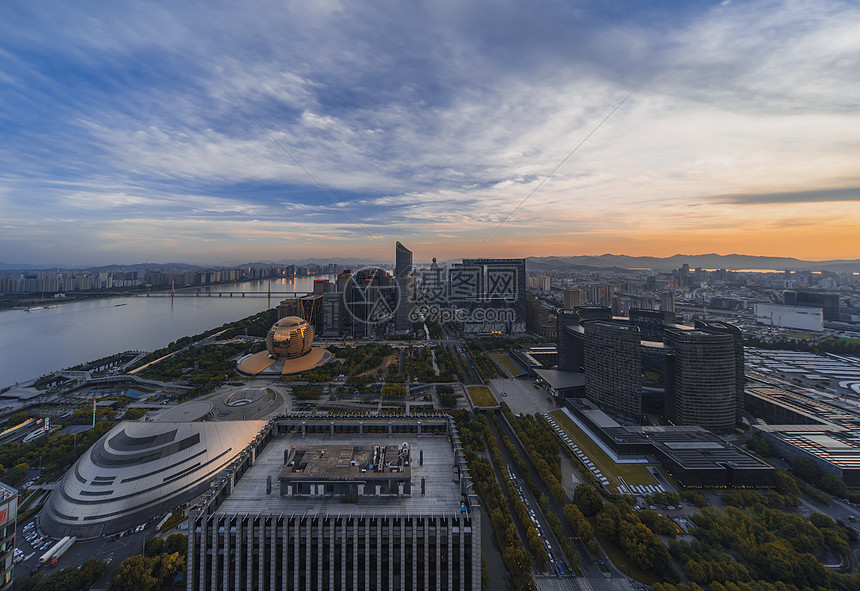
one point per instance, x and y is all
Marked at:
(671, 507)
(852, 518)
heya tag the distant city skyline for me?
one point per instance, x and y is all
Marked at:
(127, 136)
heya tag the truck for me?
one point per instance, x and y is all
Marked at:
(51, 551)
(63, 549)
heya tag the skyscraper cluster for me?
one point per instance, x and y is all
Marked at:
(647, 363)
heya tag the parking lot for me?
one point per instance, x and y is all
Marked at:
(32, 544)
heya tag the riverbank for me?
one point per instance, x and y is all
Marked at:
(41, 341)
(32, 301)
(35, 302)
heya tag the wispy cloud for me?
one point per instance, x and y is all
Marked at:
(812, 196)
(424, 121)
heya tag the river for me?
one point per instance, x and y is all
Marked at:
(41, 341)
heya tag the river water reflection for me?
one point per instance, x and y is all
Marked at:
(41, 341)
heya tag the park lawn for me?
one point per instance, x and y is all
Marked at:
(481, 396)
(382, 367)
(503, 360)
(633, 474)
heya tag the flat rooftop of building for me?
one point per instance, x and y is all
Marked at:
(561, 380)
(838, 445)
(346, 462)
(656, 345)
(816, 410)
(7, 492)
(441, 480)
(691, 446)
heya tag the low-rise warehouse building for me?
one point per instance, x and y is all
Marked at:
(692, 455)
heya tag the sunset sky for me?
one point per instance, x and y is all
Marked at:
(733, 127)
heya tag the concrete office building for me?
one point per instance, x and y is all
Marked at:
(815, 429)
(333, 314)
(692, 455)
(695, 375)
(799, 317)
(738, 346)
(572, 297)
(667, 302)
(308, 307)
(828, 302)
(8, 515)
(703, 379)
(613, 368)
(341, 503)
(491, 293)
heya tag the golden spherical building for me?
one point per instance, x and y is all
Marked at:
(289, 350)
(289, 338)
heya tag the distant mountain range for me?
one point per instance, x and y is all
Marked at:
(133, 267)
(344, 262)
(557, 263)
(707, 261)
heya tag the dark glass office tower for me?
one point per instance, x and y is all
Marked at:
(403, 276)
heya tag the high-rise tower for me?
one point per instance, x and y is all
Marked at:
(403, 277)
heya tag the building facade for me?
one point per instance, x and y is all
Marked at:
(8, 516)
(332, 523)
(572, 297)
(828, 302)
(613, 370)
(491, 293)
(403, 277)
(702, 376)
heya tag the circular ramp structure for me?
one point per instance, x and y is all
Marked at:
(139, 470)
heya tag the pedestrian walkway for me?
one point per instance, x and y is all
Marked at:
(641, 489)
(624, 489)
(598, 475)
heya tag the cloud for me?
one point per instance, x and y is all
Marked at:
(812, 196)
(425, 120)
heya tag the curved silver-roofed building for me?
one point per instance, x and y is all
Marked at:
(139, 470)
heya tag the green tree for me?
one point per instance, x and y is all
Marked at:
(786, 484)
(134, 574)
(832, 484)
(154, 546)
(176, 543)
(805, 469)
(90, 572)
(165, 567)
(16, 474)
(447, 400)
(758, 445)
(587, 499)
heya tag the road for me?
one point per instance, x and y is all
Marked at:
(594, 578)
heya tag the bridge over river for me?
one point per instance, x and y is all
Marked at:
(224, 294)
